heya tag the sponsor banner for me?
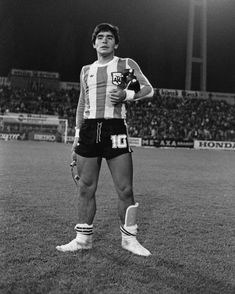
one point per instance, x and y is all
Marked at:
(137, 142)
(167, 143)
(148, 142)
(12, 136)
(37, 74)
(216, 145)
(4, 81)
(70, 139)
(229, 97)
(44, 137)
(180, 93)
(27, 118)
(175, 143)
(69, 85)
(221, 96)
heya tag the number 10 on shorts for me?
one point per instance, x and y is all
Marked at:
(119, 141)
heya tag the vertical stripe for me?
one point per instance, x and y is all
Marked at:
(101, 81)
(92, 91)
(86, 91)
(119, 110)
(109, 107)
(85, 74)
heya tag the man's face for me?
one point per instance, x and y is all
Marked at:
(105, 43)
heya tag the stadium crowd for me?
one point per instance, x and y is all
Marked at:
(158, 118)
(183, 119)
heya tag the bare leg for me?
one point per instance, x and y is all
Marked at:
(122, 173)
(121, 168)
(88, 169)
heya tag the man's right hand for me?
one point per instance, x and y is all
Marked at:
(74, 155)
(75, 143)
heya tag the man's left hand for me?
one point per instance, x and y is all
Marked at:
(117, 96)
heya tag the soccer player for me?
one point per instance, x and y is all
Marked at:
(101, 132)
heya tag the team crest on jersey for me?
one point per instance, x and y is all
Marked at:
(117, 78)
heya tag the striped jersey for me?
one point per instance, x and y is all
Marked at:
(97, 80)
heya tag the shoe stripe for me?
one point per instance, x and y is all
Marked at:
(126, 232)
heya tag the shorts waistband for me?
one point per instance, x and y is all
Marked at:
(103, 120)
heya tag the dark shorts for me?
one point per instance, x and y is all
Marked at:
(103, 138)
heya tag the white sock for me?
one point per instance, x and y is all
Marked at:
(129, 241)
(83, 239)
(84, 232)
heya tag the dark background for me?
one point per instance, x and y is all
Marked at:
(55, 35)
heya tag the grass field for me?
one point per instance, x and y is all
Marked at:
(186, 219)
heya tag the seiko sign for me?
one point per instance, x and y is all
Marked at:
(44, 137)
(219, 145)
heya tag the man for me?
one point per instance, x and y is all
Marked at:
(101, 132)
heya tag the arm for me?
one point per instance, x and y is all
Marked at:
(146, 90)
(81, 103)
(79, 111)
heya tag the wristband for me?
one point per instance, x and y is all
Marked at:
(77, 132)
(129, 95)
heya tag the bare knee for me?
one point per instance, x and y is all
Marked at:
(86, 189)
(125, 193)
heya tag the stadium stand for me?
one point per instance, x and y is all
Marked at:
(182, 119)
(158, 118)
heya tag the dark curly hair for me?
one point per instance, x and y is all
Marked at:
(104, 27)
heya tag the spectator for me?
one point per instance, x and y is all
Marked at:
(159, 118)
